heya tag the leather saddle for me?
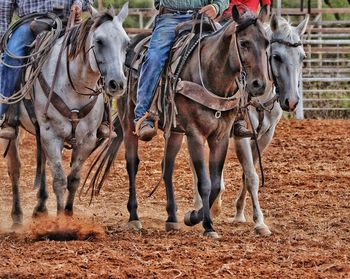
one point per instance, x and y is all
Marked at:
(184, 36)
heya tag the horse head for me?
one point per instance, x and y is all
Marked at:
(252, 43)
(286, 59)
(108, 45)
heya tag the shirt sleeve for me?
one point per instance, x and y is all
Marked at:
(220, 6)
(265, 2)
(7, 9)
(84, 4)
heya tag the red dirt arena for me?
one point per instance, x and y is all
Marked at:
(306, 204)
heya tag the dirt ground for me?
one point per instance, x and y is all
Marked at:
(305, 204)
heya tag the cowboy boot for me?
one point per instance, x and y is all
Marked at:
(240, 129)
(147, 130)
(7, 132)
(103, 131)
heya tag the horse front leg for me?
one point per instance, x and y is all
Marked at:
(80, 155)
(196, 150)
(217, 156)
(251, 182)
(215, 208)
(53, 151)
(42, 195)
(14, 170)
(263, 142)
(172, 148)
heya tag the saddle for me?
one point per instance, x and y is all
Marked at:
(184, 36)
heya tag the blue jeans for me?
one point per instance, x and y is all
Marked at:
(10, 77)
(163, 37)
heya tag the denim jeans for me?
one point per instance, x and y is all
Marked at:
(163, 37)
(10, 77)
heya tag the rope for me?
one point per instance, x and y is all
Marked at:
(36, 58)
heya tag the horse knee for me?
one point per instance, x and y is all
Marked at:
(251, 180)
(73, 182)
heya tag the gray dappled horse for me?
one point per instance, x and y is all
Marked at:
(97, 47)
(286, 56)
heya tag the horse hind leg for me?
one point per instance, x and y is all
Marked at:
(14, 168)
(42, 195)
(172, 149)
(132, 163)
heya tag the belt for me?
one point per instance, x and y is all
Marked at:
(165, 10)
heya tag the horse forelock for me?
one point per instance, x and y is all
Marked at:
(78, 35)
(285, 32)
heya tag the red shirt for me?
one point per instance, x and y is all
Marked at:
(253, 5)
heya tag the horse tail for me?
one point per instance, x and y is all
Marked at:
(102, 163)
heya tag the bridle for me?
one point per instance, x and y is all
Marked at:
(241, 81)
(101, 82)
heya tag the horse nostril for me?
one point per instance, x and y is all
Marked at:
(286, 103)
(114, 86)
(258, 84)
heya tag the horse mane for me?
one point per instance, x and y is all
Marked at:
(78, 34)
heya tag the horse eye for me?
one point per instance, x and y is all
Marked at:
(244, 44)
(99, 42)
(277, 58)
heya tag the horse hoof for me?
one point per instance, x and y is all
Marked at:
(187, 219)
(68, 213)
(16, 226)
(213, 235)
(171, 226)
(134, 225)
(39, 213)
(239, 219)
(262, 230)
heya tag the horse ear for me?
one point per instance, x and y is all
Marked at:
(263, 14)
(124, 12)
(301, 28)
(274, 23)
(93, 12)
(235, 13)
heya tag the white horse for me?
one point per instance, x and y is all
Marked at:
(286, 56)
(96, 47)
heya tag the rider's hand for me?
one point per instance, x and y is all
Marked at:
(210, 11)
(77, 11)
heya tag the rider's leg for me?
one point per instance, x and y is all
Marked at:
(9, 77)
(161, 42)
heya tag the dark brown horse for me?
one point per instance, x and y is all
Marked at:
(238, 46)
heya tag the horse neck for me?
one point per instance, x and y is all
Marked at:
(84, 72)
(219, 63)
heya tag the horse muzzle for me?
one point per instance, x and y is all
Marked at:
(256, 87)
(289, 104)
(115, 87)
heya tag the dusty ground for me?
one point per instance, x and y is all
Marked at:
(305, 202)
